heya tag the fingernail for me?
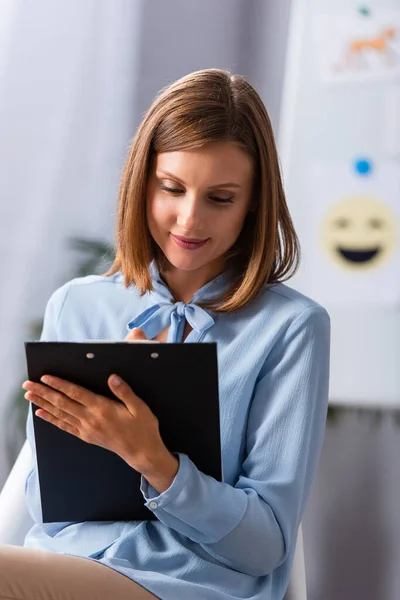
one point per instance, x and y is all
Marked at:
(115, 380)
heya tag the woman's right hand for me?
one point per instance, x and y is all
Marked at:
(136, 334)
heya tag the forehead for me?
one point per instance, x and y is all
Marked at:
(361, 208)
(219, 162)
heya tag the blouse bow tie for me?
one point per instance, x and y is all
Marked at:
(155, 319)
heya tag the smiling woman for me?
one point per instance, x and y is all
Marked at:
(193, 216)
(204, 243)
(198, 136)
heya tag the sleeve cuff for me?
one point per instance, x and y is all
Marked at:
(154, 500)
(197, 505)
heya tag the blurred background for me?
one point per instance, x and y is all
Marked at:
(76, 78)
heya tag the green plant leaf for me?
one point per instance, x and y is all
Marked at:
(96, 257)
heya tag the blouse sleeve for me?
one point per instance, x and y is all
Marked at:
(252, 526)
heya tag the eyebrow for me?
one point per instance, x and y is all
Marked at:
(219, 185)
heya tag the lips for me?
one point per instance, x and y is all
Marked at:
(188, 243)
(189, 240)
(359, 256)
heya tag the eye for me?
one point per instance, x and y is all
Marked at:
(171, 190)
(221, 200)
(177, 191)
(342, 223)
(376, 223)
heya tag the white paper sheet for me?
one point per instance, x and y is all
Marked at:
(351, 235)
(351, 47)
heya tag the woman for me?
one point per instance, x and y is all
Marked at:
(204, 242)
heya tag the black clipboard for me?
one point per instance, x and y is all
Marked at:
(83, 482)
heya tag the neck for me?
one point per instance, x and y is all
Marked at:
(184, 284)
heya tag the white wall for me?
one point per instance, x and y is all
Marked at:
(67, 100)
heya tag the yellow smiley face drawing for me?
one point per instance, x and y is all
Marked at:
(360, 233)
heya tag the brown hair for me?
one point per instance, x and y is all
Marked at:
(210, 106)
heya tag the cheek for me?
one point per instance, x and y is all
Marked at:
(235, 224)
(159, 211)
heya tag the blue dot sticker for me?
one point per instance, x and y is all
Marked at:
(363, 166)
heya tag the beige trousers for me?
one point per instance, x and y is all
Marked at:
(27, 574)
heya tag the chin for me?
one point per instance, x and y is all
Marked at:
(185, 262)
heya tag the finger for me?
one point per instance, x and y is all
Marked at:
(59, 400)
(52, 410)
(136, 334)
(57, 422)
(124, 392)
(75, 392)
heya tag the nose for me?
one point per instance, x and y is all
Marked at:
(190, 214)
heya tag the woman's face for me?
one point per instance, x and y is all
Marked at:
(197, 201)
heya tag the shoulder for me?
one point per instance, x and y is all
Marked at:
(82, 292)
(297, 327)
(280, 310)
(291, 303)
(279, 302)
(301, 323)
(91, 307)
(84, 286)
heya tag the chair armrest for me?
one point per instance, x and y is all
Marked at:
(297, 589)
(15, 520)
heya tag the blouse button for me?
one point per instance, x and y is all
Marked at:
(153, 505)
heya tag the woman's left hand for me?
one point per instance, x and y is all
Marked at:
(130, 429)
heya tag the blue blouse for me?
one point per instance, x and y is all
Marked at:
(212, 540)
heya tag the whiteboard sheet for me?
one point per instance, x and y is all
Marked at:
(328, 120)
(350, 46)
(352, 253)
